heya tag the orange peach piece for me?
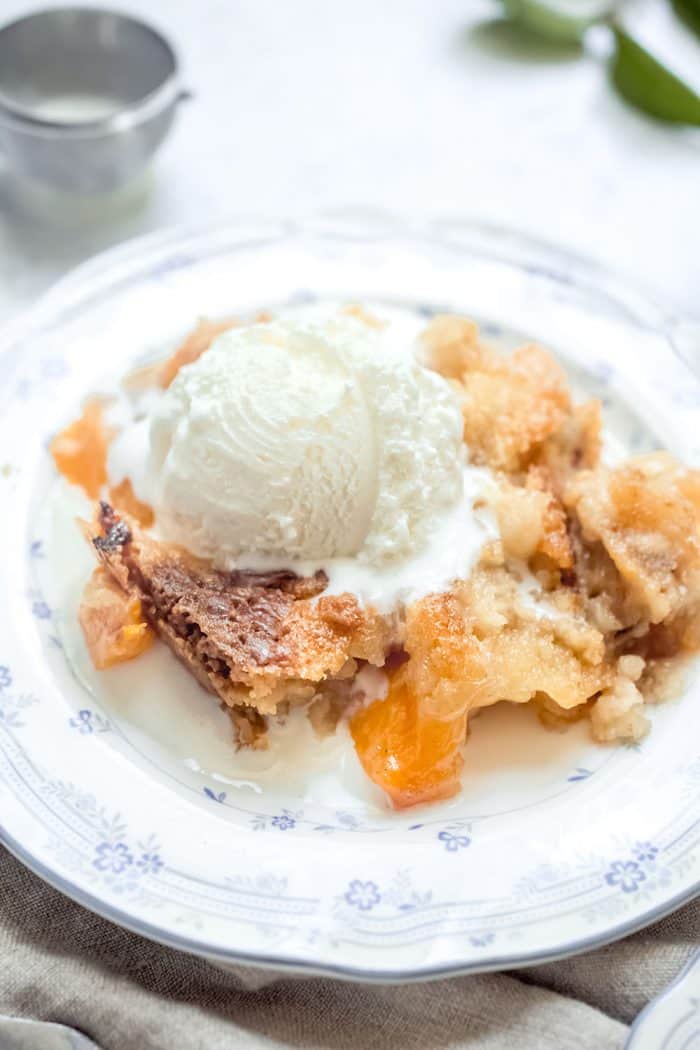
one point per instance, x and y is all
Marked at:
(413, 758)
(80, 451)
(112, 622)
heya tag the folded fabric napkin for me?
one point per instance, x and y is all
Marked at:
(63, 964)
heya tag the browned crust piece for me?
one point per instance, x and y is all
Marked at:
(252, 639)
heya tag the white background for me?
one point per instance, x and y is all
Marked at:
(428, 107)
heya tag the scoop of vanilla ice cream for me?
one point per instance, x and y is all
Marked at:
(305, 440)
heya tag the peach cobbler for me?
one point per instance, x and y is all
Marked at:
(318, 511)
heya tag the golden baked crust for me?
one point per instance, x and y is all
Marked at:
(645, 514)
(253, 639)
(616, 551)
(613, 556)
(510, 405)
(478, 644)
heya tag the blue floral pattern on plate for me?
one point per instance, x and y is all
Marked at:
(87, 722)
(453, 840)
(362, 895)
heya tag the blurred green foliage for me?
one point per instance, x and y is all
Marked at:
(564, 20)
(647, 84)
(641, 77)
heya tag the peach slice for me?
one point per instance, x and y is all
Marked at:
(80, 450)
(112, 622)
(413, 757)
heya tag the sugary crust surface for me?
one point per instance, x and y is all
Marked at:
(250, 638)
(613, 553)
(616, 553)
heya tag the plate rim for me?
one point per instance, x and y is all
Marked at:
(637, 1036)
(291, 964)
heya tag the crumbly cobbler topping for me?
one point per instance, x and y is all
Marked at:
(612, 557)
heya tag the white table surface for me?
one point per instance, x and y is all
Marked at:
(428, 108)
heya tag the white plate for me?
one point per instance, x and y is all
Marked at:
(554, 846)
(672, 1020)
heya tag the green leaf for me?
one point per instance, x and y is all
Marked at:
(647, 84)
(689, 12)
(564, 20)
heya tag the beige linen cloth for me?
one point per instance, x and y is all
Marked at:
(61, 963)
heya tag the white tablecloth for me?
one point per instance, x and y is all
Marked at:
(428, 108)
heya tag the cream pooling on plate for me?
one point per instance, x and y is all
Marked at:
(318, 442)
